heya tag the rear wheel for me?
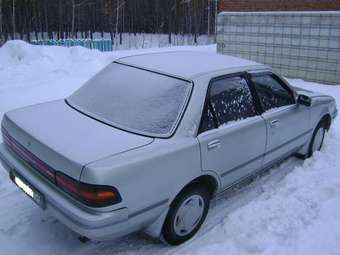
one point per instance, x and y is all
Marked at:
(186, 215)
(318, 138)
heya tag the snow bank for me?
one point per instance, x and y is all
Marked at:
(17, 52)
(293, 210)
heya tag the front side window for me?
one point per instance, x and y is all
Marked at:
(133, 99)
(230, 100)
(272, 94)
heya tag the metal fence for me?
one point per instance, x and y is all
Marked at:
(296, 44)
(98, 44)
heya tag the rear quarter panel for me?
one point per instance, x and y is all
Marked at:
(150, 175)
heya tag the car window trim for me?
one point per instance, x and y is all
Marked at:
(276, 78)
(285, 86)
(242, 74)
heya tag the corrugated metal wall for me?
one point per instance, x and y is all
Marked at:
(302, 45)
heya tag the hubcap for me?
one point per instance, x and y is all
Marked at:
(189, 215)
(318, 140)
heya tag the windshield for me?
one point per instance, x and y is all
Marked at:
(133, 99)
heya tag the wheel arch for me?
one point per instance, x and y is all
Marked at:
(208, 180)
(327, 119)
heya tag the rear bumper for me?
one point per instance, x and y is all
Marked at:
(95, 224)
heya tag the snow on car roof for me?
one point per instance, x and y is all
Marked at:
(186, 64)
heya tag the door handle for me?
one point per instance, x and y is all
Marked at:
(274, 123)
(214, 144)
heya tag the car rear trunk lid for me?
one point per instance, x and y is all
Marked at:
(65, 139)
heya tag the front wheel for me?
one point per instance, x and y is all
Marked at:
(186, 215)
(317, 139)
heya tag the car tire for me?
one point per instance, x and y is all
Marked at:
(186, 214)
(317, 138)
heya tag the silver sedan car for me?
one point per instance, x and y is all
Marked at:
(151, 139)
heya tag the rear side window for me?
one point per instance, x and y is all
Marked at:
(229, 100)
(271, 92)
(208, 121)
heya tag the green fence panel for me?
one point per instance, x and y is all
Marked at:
(98, 44)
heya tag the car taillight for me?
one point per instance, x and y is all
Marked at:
(91, 195)
(28, 156)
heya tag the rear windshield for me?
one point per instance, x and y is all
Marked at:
(133, 99)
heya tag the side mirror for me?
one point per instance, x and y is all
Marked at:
(304, 100)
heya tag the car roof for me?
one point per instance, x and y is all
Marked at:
(187, 64)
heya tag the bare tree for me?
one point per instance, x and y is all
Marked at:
(119, 6)
(209, 16)
(46, 19)
(73, 16)
(66, 18)
(117, 17)
(13, 19)
(1, 29)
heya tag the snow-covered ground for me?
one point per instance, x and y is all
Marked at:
(295, 209)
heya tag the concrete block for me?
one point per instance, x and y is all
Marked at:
(321, 76)
(330, 67)
(313, 53)
(269, 40)
(326, 20)
(316, 20)
(315, 31)
(296, 30)
(255, 29)
(285, 61)
(335, 31)
(306, 20)
(278, 40)
(324, 43)
(314, 42)
(294, 52)
(287, 30)
(304, 42)
(305, 31)
(324, 31)
(320, 65)
(311, 64)
(285, 51)
(302, 73)
(335, 20)
(334, 44)
(263, 29)
(296, 41)
(292, 73)
(322, 54)
(310, 75)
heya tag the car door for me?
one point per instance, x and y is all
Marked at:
(287, 122)
(232, 133)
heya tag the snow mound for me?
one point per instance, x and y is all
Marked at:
(14, 54)
(24, 65)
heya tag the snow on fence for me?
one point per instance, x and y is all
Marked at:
(302, 45)
(99, 44)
